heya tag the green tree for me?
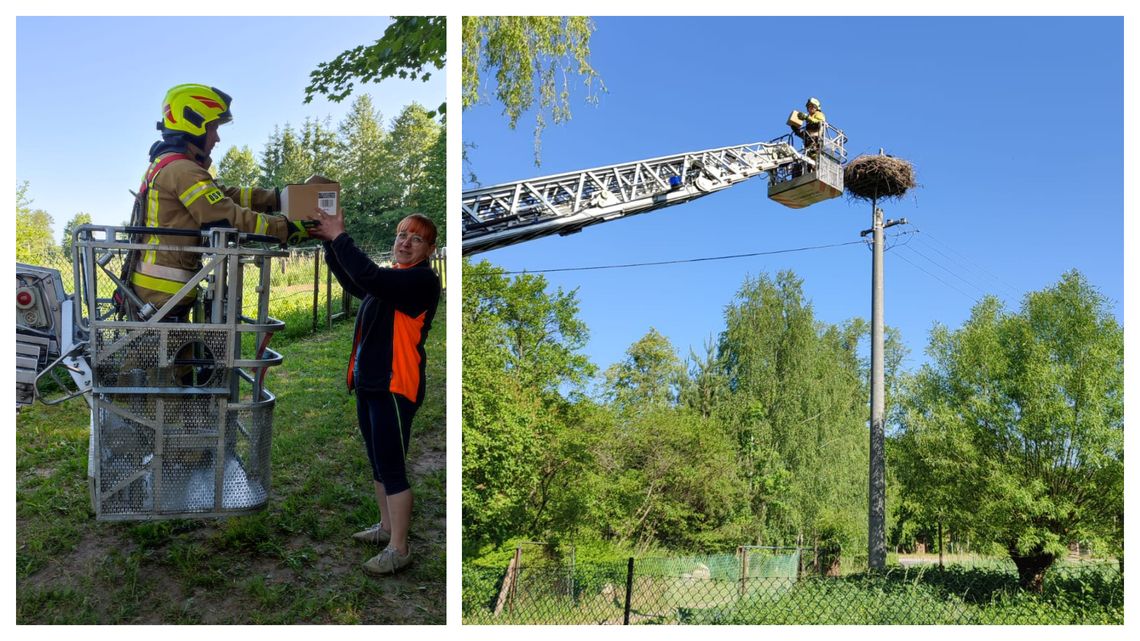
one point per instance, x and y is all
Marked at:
(409, 148)
(272, 162)
(409, 46)
(295, 162)
(238, 168)
(290, 157)
(705, 385)
(34, 244)
(321, 148)
(81, 218)
(366, 188)
(666, 481)
(797, 400)
(1018, 424)
(522, 462)
(532, 59)
(430, 192)
(650, 376)
(397, 171)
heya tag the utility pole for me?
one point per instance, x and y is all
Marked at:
(877, 503)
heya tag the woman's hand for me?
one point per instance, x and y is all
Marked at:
(328, 227)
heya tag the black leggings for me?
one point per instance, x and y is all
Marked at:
(386, 424)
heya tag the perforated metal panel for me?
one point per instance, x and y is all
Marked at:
(180, 428)
(125, 357)
(161, 356)
(124, 442)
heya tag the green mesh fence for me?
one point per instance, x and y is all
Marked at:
(762, 587)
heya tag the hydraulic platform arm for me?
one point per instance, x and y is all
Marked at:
(563, 204)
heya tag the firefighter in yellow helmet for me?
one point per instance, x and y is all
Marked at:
(178, 192)
(811, 131)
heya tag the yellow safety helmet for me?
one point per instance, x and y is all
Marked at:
(813, 102)
(189, 108)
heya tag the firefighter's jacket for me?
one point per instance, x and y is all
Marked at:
(183, 195)
(815, 122)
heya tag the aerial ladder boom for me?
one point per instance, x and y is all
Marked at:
(563, 204)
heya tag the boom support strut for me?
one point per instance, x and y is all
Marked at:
(515, 212)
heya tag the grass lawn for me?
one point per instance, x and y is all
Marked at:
(292, 563)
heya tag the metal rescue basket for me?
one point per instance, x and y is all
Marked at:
(818, 177)
(181, 421)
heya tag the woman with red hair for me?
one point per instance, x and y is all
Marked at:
(387, 364)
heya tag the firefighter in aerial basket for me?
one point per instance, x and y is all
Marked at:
(809, 126)
(178, 192)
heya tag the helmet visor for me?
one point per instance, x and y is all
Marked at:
(226, 116)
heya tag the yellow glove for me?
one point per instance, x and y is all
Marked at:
(298, 231)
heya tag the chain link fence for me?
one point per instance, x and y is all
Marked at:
(768, 586)
(305, 294)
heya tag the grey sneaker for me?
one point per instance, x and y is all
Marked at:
(375, 535)
(390, 561)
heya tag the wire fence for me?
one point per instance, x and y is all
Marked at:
(303, 292)
(303, 286)
(769, 586)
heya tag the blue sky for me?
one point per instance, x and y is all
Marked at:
(1013, 126)
(89, 89)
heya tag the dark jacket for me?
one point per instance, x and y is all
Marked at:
(396, 312)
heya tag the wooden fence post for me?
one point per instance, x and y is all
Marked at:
(316, 286)
(507, 590)
(328, 295)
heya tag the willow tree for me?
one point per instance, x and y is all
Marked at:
(532, 60)
(1018, 425)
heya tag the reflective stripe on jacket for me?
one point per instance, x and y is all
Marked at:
(815, 121)
(183, 195)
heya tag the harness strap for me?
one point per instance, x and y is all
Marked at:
(157, 166)
(149, 199)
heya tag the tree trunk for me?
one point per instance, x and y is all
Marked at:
(1031, 568)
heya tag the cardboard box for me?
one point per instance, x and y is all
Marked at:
(299, 202)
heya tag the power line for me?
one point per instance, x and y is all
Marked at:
(953, 273)
(979, 266)
(959, 264)
(935, 277)
(964, 268)
(900, 234)
(685, 260)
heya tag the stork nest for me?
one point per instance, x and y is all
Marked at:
(878, 177)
